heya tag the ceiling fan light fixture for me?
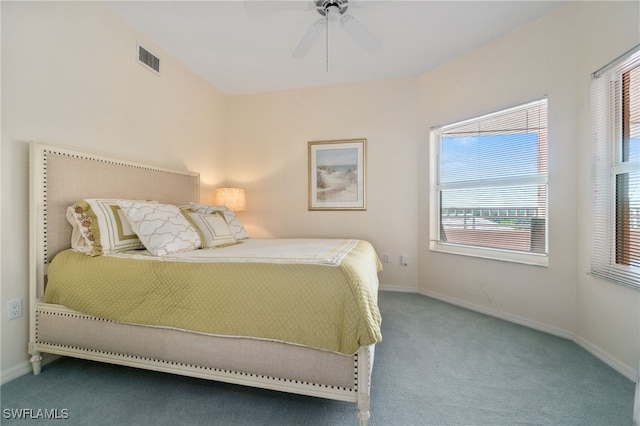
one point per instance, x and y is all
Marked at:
(333, 13)
(325, 6)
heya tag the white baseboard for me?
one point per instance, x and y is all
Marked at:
(15, 372)
(24, 368)
(398, 289)
(611, 361)
(556, 331)
(608, 359)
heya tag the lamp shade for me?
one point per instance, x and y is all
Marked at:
(234, 198)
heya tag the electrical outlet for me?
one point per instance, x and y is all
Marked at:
(14, 309)
(386, 257)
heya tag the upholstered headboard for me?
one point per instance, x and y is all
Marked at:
(60, 177)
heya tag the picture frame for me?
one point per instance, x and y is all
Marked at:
(337, 174)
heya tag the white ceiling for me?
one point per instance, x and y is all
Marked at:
(240, 50)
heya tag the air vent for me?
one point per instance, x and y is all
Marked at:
(148, 59)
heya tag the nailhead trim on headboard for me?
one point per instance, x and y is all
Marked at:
(90, 157)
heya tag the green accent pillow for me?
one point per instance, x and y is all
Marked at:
(213, 229)
(100, 227)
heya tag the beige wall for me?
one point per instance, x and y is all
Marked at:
(56, 90)
(70, 78)
(528, 63)
(267, 153)
(553, 56)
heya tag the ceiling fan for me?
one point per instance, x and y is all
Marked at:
(329, 11)
(335, 11)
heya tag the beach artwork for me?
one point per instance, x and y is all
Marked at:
(336, 175)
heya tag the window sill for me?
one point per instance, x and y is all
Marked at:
(492, 254)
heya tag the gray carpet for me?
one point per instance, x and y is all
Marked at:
(437, 365)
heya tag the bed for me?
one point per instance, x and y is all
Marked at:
(291, 286)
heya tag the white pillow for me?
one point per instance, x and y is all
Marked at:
(161, 227)
(238, 231)
(100, 227)
(213, 229)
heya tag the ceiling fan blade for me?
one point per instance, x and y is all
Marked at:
(259, 7)
(360, 33)
(309, 38)
(358, 4)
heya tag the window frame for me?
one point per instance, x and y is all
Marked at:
(608, 164)
(436, 242)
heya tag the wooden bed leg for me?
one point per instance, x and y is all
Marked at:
(36, 359)
(364, 384)
(363, 409)
(36, 363)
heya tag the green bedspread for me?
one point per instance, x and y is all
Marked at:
(322, 306)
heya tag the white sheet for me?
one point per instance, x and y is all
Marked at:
(281, 250)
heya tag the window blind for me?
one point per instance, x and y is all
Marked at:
(492, 181)
(616, 170)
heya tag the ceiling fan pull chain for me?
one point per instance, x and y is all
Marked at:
(326, 22)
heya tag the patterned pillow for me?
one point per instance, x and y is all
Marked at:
(213, 229)
(238, 231)
(100, 227)
(161, 227)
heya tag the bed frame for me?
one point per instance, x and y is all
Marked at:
(59, 177)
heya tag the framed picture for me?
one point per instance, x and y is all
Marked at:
(337, 178)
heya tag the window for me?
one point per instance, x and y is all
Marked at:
(616, 170)
(489, 185)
